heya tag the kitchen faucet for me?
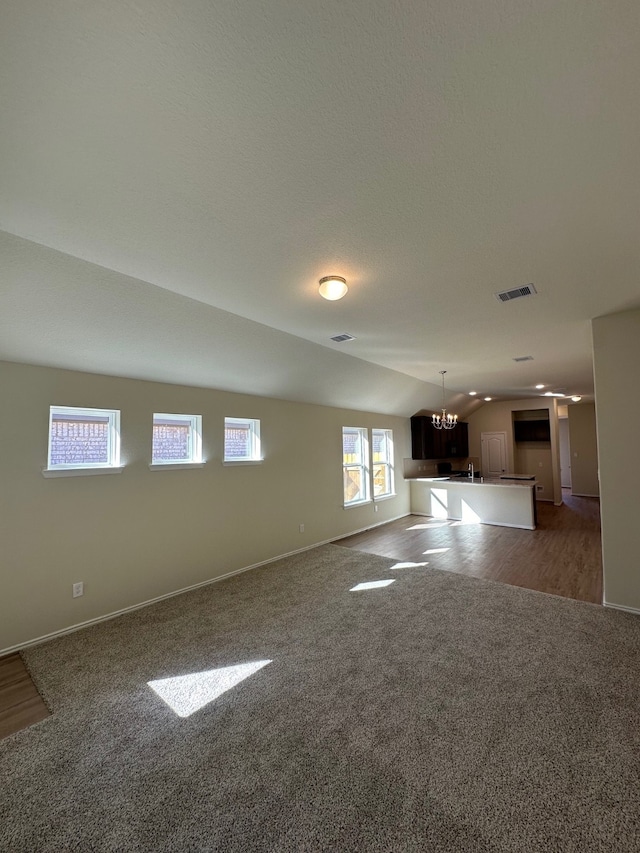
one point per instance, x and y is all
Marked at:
(471, 470)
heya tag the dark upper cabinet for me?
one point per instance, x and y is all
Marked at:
(425, 440)
(430, 443)
(457, 442)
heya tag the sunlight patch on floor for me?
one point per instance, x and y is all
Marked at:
(371, 585)
(186, 694)
(409, 565)
(436, 550)
(428, 525)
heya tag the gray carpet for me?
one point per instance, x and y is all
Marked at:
(441, 713)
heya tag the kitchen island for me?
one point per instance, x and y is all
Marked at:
(504, 502)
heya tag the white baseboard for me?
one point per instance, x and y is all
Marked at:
(96, 620)
(633, 610)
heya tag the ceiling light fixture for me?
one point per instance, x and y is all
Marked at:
(332, 287)
(539, 387)
(577, 398)
(444, 421)
(472, 393)
(488, 399)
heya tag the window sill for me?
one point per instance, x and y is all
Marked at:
(175, 466)
(232, 462)
(385, 497)
(80, 472)
(357, 503)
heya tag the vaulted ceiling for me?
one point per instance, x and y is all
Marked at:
(177, 177)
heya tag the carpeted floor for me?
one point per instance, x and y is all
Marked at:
(439, 713)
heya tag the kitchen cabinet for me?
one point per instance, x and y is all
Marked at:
(457, 442)
(430, 443)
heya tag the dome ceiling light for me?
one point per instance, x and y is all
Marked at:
(332, 287)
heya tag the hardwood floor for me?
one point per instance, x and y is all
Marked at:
(562, 556)
(20, 702)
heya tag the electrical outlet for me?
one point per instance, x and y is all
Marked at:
(302, 528)
(540, 488)
(375, 507)
(78, 589)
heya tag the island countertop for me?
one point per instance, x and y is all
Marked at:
(506, 503)
(518, 480)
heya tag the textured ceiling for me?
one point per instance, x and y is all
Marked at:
(234, 153)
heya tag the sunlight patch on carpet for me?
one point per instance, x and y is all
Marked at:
(186, 694)
(371, 585)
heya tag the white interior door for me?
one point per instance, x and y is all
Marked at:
(494, 453)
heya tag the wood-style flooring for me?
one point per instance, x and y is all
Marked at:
(561, 556)
(20, 702)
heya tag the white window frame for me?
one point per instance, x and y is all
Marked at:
(364, 465)
(194, 458)
(255, 453)
(388, 440)
(111, 466)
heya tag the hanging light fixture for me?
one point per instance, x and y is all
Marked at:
(444, 421)
(332, 287)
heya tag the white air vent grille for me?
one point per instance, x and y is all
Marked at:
(524, 358)
(340, 339)
(517, 293)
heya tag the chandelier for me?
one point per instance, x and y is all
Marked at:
(444, 421)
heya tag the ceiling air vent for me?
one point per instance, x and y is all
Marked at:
(517, 293)
(340, 339)
(524, 358)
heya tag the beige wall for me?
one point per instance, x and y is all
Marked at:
(584, 450)
(616, 356)
(526, 459)
(140, 534)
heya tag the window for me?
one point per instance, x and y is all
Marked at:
(242, 440)
(382, 446)
(355, 465)
(177, 439)
(83, 439)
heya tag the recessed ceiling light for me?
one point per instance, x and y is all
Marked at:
(472, 393)
(552, 394)
(488, 399)
(539, 387)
